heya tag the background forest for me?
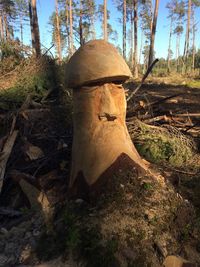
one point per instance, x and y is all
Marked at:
(133, 30)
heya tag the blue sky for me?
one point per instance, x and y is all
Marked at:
(46, 7)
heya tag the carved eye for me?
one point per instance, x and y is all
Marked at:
(117, 90)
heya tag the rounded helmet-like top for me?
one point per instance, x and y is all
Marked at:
(96, 61)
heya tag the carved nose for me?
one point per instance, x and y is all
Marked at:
(108, 108)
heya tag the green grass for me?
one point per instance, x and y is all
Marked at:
(193, 84)
(34, 77)
(163, 145)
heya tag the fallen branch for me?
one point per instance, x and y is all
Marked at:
(143, 79)
(158, 118)
(187, 115)
(5, 154)
(143, 105)
(9, 212)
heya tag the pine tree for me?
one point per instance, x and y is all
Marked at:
(171, 6)
(35, 35)
(178, 30)
(111, 33)
(105, 23)
(21, 7)
(146, 27)
(7, 14)
(153, 32)
(58, 41)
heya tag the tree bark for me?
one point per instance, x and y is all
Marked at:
(193, 39)
(67, 24)
(132, 40)
(92, 20)
(151, 50)
(71, 28)
(187, 36)
(141, 45)
(105, 30)
(21, 28)
(81, 39)
(135, 39)
(169, 47)
(1, 27)
(34, 28)
(124, 29)
(58, 41)
(7, 33)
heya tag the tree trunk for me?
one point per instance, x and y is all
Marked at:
(124, 29)
(141, 45)
(177, 54)
(193, 39)
(34, 27)
(71, 28)
(7, 33)
(135, 39)
(58, 41)
(169, 47)
(81, 39)
(187, 36)
(92, 21)
(1, 28)
(151, 50)
(31, 24)
(151, 22)
(67, 24)
(21, 29)
(105, 30)
(132, 41)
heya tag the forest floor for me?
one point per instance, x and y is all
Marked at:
(139, 223)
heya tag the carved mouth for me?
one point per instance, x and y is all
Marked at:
(107, 117)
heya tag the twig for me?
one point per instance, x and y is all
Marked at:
(48, 50)
(143, 79)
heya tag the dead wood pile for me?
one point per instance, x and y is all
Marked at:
(35, 157)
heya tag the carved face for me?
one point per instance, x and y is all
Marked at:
(100, 132)
(95, 105)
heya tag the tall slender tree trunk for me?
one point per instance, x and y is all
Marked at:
(193, 39)
(141, 45)
(105, 28)
(71, 28)
(34, 28)
(151, 10)
(153, 32)
(187, 36)
(169, 46)
(92, 20)
(21, 29)
(31, 25)
(67, 24)
(58, 40)
(1, 27)
(81, 39)
(7, 33)
(135, 39)
(124, 29)
(177, 58)
(132, 40)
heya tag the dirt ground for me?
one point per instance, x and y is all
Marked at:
(144, 220)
